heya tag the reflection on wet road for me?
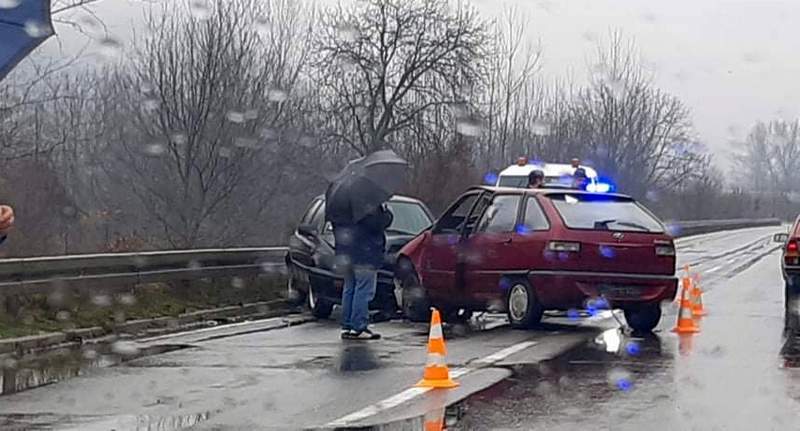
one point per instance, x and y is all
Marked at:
(733, 375)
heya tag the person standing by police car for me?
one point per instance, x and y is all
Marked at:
(536, 179)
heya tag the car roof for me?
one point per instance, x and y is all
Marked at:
(549, 169)
(543, 191)
(395, 198)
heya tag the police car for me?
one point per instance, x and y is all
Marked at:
(557, 175)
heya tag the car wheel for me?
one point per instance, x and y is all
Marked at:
(321, 308)
(414, 300)
(524, 309)
(792, 309)
(645, 318)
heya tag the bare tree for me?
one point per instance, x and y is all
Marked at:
(634, 131)
(211, 112)
(382, 63)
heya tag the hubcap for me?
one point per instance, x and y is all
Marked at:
(518, 302)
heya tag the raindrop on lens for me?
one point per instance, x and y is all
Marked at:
(263, 26)
(110, 47)
(251, 114)
(124, 348)
(200, 9)
(540, 128)
(237, 283)
(620, 379)
(490, 178)
(150, 105)
(347, 33)
(101, 300)
(469, 127)
(36, 29)
(127, 299)
(277, 95)
(573, 314)
(235, 117)
(633, 348)
(179, 139)
(9, 4)
(154, 150)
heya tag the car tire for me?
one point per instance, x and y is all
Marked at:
(643, 319)
(321, 308)
(792, 309)
(414, 300)
(524, 309)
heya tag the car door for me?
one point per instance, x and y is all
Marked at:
(440, 260)
(489, 249)
(529, 240)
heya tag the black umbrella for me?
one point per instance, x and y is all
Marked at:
(364, 185)
(24, 24)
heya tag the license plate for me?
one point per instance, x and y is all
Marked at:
(620, 291)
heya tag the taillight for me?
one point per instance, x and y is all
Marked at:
(564, 246)
(664, 248)
(792, 254)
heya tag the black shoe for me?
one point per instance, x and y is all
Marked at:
(364, 335)
(347, 334)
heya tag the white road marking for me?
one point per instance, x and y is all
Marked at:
(414, 392)
(715, 269)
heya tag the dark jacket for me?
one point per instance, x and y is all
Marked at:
(364, 243)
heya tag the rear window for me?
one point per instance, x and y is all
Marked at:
(604, 212)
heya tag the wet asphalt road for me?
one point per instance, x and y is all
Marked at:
(266, 375)
(730, 376)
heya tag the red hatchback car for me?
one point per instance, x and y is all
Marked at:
(525, 251)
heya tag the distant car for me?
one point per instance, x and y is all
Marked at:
(311, 255)
(524, 251)
(790, 265)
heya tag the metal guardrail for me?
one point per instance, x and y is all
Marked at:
(121, 270)
(697, 227)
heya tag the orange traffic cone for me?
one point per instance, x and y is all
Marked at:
(686, 323)
(697, 298)
(434, 420)
(683, 281)
(436, 374)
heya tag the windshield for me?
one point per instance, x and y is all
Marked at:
(409, 218)
(598, 212)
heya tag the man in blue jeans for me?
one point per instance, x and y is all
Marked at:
(360, 249)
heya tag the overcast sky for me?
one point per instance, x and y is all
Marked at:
(733, 62)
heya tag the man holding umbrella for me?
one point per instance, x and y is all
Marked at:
(355, 206)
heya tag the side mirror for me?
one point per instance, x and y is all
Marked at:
(307, 230)
(780, 238)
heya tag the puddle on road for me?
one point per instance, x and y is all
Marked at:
(17, 375)
(564, 392)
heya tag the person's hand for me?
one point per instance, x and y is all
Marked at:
(6, 218)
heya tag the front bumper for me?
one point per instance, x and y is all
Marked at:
(572, 289)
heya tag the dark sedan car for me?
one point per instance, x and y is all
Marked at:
(311, 255)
